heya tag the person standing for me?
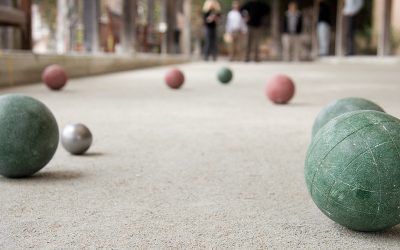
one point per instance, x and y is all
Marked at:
(324, 27)
(180, 25)
(235, 27)
(350, 11)
(254, 12)
(293, 25)
(211, 14)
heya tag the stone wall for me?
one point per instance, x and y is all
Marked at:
(23, 68)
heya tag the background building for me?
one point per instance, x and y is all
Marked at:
(149, 26)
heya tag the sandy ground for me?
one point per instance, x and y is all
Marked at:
(208, 166)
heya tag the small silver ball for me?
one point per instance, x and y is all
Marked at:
(76, 138)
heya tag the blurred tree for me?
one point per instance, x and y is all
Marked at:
(48, 11)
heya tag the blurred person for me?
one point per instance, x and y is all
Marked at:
(197, 28)
(254, 12)
(350, 11)
(292, 28)
(324, 27)
(235, 27)
(211, 15)
(180, 25)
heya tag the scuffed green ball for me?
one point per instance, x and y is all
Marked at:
(352, 170)
(225, 75)
(28, 136)
(340, 107)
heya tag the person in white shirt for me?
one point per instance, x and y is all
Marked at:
(235, 27)
(350, 11)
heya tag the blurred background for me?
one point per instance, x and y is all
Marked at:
(176, 27)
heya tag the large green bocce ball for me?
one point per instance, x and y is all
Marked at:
(352, 170)
(340, 107)
(28, 136)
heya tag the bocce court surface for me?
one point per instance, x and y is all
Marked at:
(208, 166)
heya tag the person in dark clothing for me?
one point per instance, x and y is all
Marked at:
(324, 27)
(350, 12)
(211, 14)
(254, 12)
(292, 28)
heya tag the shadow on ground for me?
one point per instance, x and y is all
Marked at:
(93, 154)
(392, 234)
(48, 176)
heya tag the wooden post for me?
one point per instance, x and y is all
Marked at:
(339, 29)
(197, 24)
(150, 22)
(187, 38)
(163, 27)
(26, 7)
(128, 25)
(91, 10)
(314, 33)
(171, 24)
(276, 29)
(7, 33)
(150, 11)
(384, 44)
(62, 32)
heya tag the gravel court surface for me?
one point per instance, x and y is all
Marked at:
(207, 166)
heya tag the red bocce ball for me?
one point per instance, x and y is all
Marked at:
(280, 89)
(54, 77)
(174, 79)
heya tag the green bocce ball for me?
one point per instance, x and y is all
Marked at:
(225, 75)
(339, 107)
(352, 170)
(28, 136)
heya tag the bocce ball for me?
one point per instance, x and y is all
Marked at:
(28, 136)
(280, 89)
(54, 77)
(352, 170)
(174, 79)
(225, 75)
(340, 107)
(76, 138)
